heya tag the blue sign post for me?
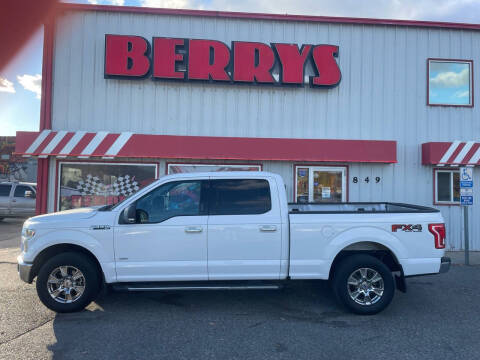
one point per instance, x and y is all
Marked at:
(466, 199)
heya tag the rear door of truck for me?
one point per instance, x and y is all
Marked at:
(5, 190)
(244, 229)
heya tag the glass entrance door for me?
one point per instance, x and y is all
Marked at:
(320, 184)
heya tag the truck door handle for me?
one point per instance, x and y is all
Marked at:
(13, 200)
(268, 228)
(193, 229)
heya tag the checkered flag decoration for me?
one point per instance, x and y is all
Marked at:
(91, 186)
(123, 186)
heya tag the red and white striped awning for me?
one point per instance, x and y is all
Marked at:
(106, 145)
(456, 153)
(79, 144)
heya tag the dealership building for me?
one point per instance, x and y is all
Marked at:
(344, 109)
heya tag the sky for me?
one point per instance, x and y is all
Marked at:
(449, 83)
(20, 81)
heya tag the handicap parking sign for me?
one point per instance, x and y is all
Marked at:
(466, 177)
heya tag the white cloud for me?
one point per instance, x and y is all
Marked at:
(437, 10)
(108, 2)
(6, 86)
(175, 4)
(462, 94)
(31, 83)
(451, 79)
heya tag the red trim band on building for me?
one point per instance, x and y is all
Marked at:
(127, 145)
(454, 153)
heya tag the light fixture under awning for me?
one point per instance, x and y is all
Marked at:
(107, 145)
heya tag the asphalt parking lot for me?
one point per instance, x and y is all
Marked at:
(438, 318)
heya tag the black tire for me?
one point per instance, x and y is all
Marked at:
(80, 262)
(342, 289)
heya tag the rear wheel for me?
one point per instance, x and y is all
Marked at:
(68, 282)
(363, 284)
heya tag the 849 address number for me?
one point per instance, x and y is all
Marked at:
(367, 179)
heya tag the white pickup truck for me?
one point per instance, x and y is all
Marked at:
(231, 230)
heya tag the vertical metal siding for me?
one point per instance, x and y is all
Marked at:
(382, 95)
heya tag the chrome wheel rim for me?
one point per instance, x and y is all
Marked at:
(66, 284)
(365, 286)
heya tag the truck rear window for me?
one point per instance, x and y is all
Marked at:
(239, 197)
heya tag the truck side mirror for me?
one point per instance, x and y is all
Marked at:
(130, 214)
(29, 194)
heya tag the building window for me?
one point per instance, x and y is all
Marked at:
(320, 184)
(94, 184)
(191, 168)
(447, 185)
(450, 82)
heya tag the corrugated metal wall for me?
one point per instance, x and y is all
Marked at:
(382, 95)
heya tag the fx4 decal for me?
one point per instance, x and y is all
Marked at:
(407, 228)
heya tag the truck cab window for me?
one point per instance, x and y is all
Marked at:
(5, 190)
(20, 191)
(179, 198)
(239, 197)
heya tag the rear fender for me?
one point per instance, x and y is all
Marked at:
(362, 235)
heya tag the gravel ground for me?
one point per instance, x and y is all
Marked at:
(438, 318)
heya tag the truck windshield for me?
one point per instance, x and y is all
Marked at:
(113, 206)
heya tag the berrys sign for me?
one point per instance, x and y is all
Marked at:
(210, 60)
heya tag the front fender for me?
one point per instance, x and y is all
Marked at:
(100, 244)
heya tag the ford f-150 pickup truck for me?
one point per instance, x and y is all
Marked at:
(231, 230)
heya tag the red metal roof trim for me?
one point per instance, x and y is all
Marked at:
(127, 145)
(264, 16)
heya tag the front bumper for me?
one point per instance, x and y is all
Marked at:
(24, 270)
(445, 264)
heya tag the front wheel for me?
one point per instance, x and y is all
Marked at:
(363, 284)
(68, 282)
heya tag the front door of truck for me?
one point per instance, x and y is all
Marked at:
(244, 229)
(21, 205)
(168, 241)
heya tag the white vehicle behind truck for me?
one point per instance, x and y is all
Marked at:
(230, 230)
(17, 199)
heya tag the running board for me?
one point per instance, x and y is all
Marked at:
(197, 285)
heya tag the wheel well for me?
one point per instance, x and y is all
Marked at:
(51, 251)
(377, 250)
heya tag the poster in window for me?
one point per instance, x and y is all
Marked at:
(97, 184)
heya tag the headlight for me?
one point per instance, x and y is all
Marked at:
(27, 234)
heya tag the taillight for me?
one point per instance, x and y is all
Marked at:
(438, 231)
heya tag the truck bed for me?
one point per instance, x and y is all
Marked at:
(357, 207)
